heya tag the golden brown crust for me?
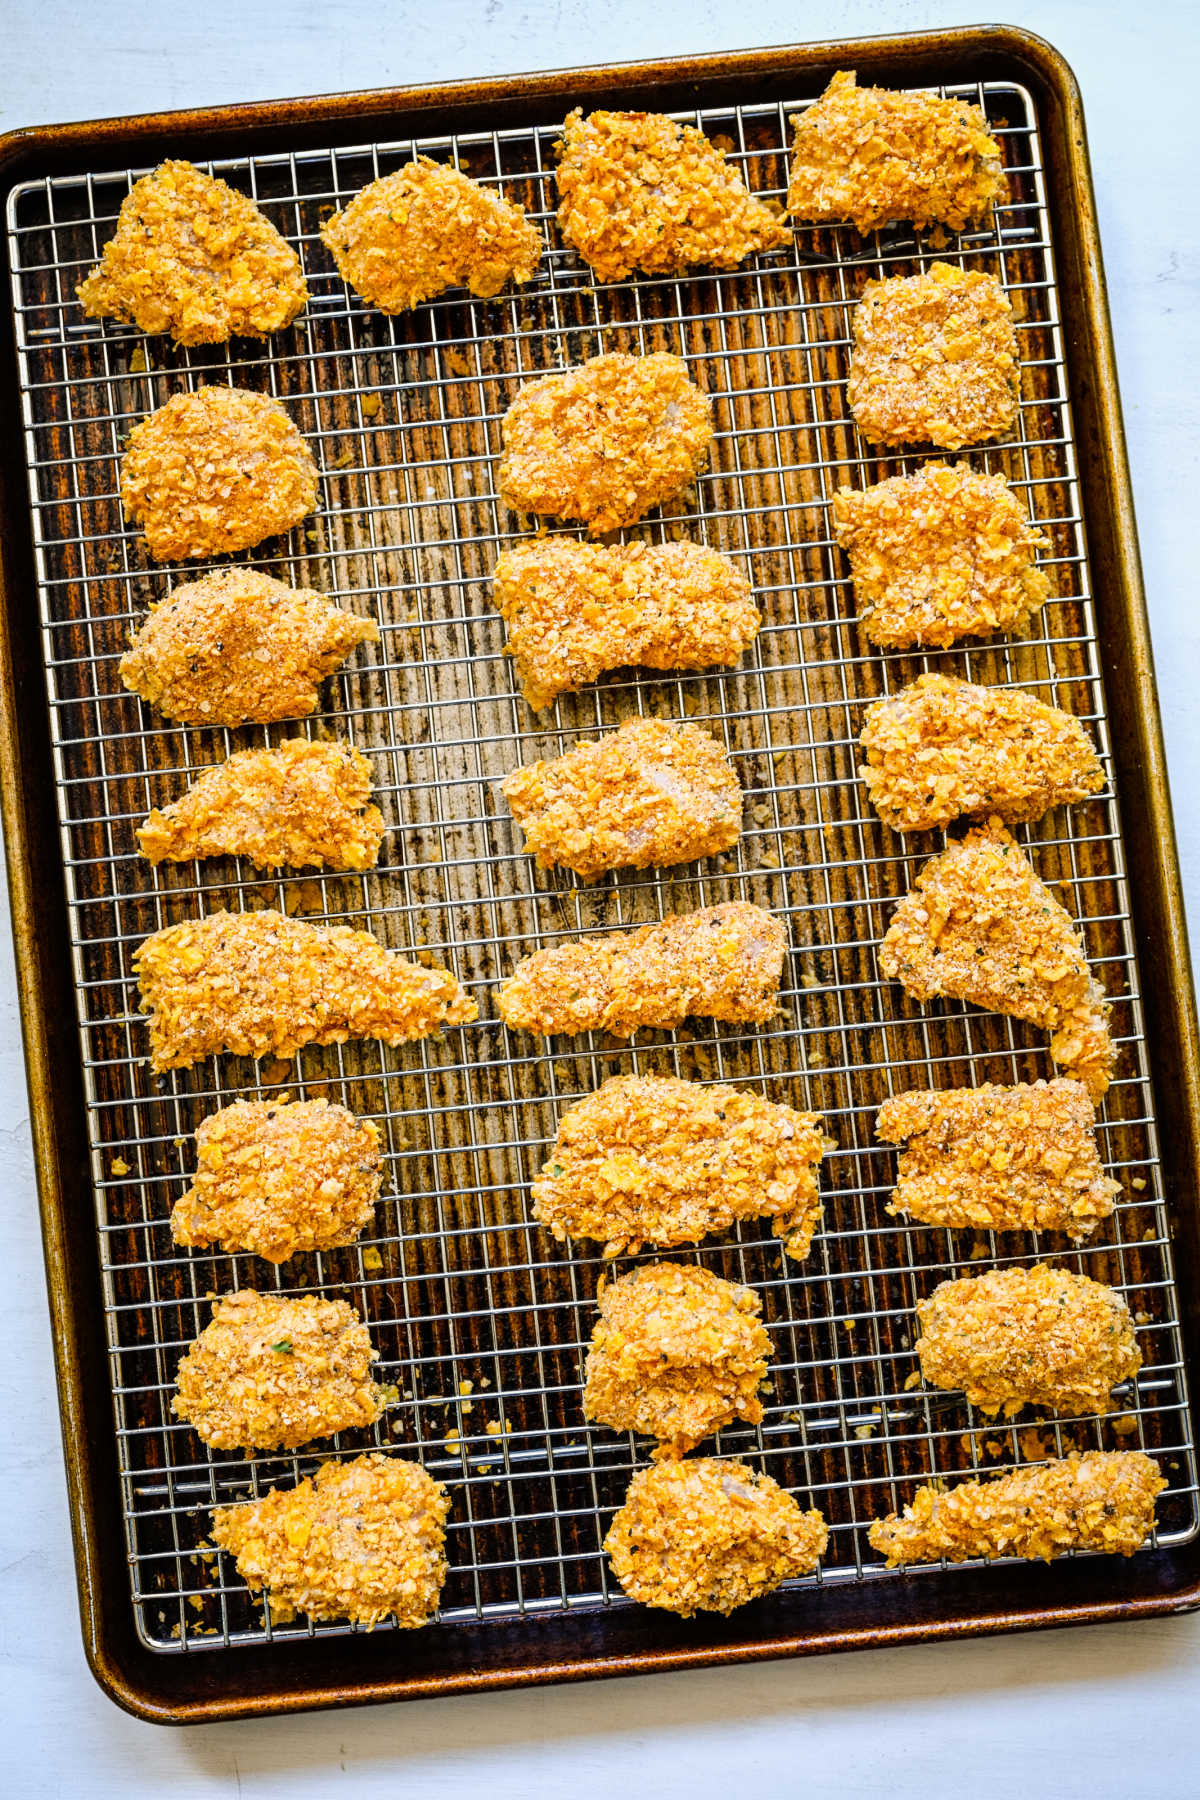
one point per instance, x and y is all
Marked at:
(638, 191)
(425, 228)
(271, 1372)
(193, 257)
(1028, 1337)
(934, 359)
(942, 748)
(606, 441)
(648, 1159)
(875, 157)
(574, 610)
(239, 648)
(1103, 1500)
(361, 1540)
(648, 795)
(275, 1177)
(304, 805)
(259, 984)
(214, 471)
(708, 1536)
(723, 962)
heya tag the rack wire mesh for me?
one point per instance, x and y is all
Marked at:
(481, 1320)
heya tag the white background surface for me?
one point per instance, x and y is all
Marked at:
(1099, 1713)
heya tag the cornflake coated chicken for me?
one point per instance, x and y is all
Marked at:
(361, 1540)
(193, 257)
(1103, 1500)
(709, 1536)
(574, 610)
(941, 555)
(998, 1158)
(240, 648)
(305, 805)
(214, 471)
(648, 1159)
(723, 962)
(638, 191)
(270, 1372)
(677, 1354)
(606, 441)
(874, 157)
(980, 926)
(934, 359)
(275, 1177)
(426, 228)
(647, 795)
(259, 984)
(1028, 1337)
(944, 747)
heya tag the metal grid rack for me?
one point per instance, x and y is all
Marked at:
(480, 1319)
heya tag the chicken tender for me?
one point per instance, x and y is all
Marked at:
(1028, 1337)
(999, 1158)
(217, 470)
(305, 805)
(875, 157)
(240, 648)
(275, 1177)
(723, 962)
(606, 441)
(259, 984)
(980, 926)
(944, 747)
(941, 555)
(1103, 1500)
(648, 795)
(934, 359)
(193, 257)
(361, 1540)
(427, 227)
(270, 1373)
(638, 191)
(648, 1159)
(708, 1536)
(677, 1354)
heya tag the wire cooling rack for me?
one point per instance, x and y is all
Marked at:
(480, 1318)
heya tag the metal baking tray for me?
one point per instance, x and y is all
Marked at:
(481, 1319)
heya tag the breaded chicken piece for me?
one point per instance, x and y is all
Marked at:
(723, 962)
(425, 228)
(941, 555)
(934, 359)
(1028, 1337)
(1018, 1158)
(943, 747)
(638, 191)
(606, 441)
(709, 1536)
(259, 984)
(677, 1354)
(648, 1159)
(980, 926)
(874, 157)
(648, 795)
(361, 1540)
(574, 610)
(193, 257)
(217, 470)
(1103, 1500)
(240, 648)
(270, 1372)
(275, 1177)
(304, 805)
